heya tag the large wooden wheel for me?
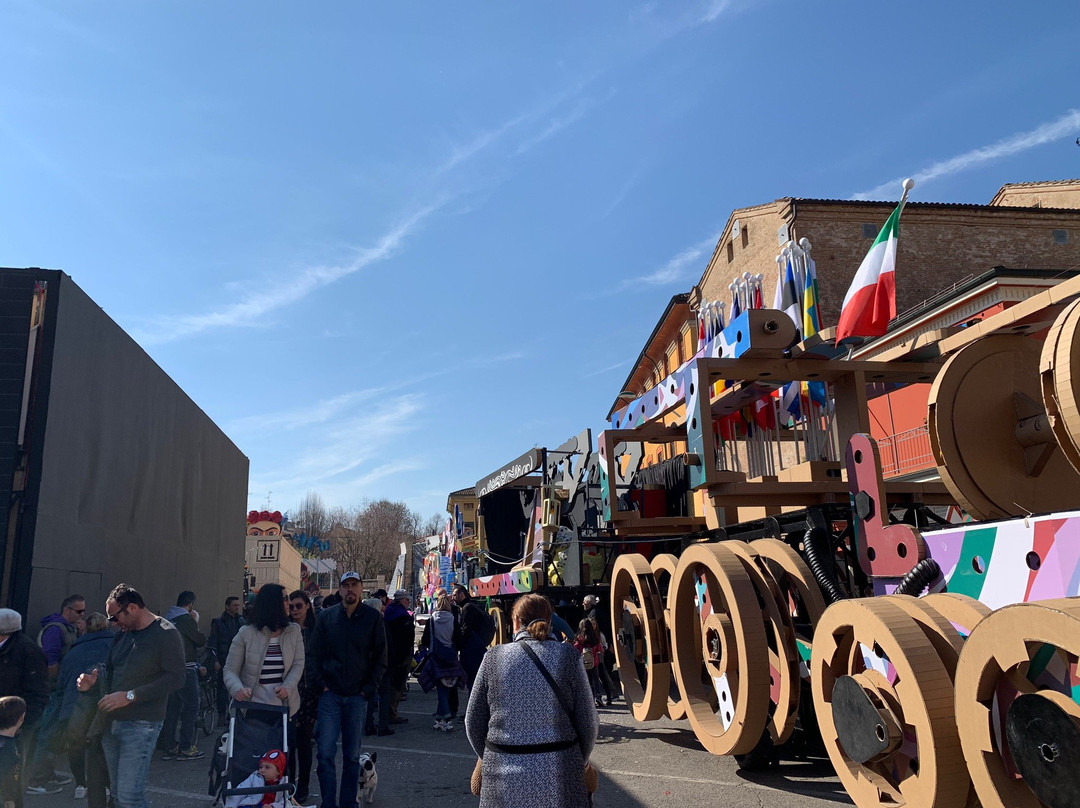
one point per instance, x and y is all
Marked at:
(641, 643)
(883, 699)
(802, 595)
(721, 657)
(502, 626)
(663, 567)
(989, 432)
(780, 638)
(1019, 723)
(1059, 372)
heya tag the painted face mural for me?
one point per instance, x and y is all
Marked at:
(264, 523)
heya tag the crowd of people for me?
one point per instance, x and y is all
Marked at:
(110, 699)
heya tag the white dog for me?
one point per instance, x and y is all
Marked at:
(369, 779)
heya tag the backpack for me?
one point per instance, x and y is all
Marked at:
(588, 658)
(487, 628)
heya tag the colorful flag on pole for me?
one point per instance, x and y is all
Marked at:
(871, 299)
(811, 322)
(790, 297)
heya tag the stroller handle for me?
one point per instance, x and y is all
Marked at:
(254, 705)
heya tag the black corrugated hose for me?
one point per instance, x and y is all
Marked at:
(918, 578)
(816, 547)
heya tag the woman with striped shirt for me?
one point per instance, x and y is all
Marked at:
(266, 658)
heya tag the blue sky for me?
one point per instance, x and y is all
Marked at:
(388, 247)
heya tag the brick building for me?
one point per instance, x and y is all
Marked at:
(1028, 225)
(941, 245)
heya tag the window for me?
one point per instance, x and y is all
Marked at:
(1061, 236)
(869, 231)
(730, 252)
(745, 235)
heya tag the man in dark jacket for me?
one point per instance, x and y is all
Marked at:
(347, 659)
(23, 673)
(222, 631)
(145, 664)
(58, 633)
(476, 630)
(400, 635)
(184, 702)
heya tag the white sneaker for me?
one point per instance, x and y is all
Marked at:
(448, 726)
(80, 792)
(439, 725)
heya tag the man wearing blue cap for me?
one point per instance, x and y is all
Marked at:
(347, 659)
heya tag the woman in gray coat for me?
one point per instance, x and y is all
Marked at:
(266, 658)
(533, 751)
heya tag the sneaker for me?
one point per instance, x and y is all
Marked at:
(48, 787)
(193, 753)
(80, 792)
(171, 754)
(448, 726)
(63, 778)
(384, 731)
(399, 719)
(440, 725)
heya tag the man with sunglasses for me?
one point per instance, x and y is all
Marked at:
(144, 665)
(58, 632)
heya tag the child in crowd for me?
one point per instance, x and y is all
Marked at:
(12, 715)
(588, 644)
(271, 772)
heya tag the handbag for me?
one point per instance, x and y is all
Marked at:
(592, 777)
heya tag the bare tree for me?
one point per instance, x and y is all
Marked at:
(368, 539)
(432, 526)
(310, 516)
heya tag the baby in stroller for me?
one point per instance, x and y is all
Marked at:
(270, 773)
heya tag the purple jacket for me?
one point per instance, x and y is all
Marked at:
(56, 637)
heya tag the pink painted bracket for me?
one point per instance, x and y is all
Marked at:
(885, 551)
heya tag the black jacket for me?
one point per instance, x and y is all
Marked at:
(222, 631)
(347, 653)
(400, 633)
(23, 673)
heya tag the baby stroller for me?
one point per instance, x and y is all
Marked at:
(254, 729)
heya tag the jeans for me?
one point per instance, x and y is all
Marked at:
(380, 705)
(128, 747)
(443, 692)
(338, 716)
(183, 709)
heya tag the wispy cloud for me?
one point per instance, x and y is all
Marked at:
(1065, 126)
(602, 371)
(677, 266)
(347, 442)
(310, 413)
(496, 359)
(268, 295)
(713, 9)
(555, 125)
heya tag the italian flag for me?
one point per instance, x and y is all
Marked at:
(871, 299)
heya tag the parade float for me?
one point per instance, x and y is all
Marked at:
(770, 586)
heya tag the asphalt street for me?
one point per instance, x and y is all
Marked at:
(654, 764)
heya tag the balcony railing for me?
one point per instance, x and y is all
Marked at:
(906, 452)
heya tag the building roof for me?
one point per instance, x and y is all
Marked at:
(464, 492)
(681, 299)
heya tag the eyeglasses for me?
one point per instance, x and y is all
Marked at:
(79, 611)
(112, 618)
(297, 605)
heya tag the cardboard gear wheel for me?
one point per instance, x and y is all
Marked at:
(780, 637)
(990, 435)
(803, 597)
(721, 657)
(882, 696)
(1059, 372)
(663, 567)
(642, 649)
(502, 626)
(1019, 726)
(963, 611)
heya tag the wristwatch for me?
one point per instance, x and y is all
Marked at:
(130, 695)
